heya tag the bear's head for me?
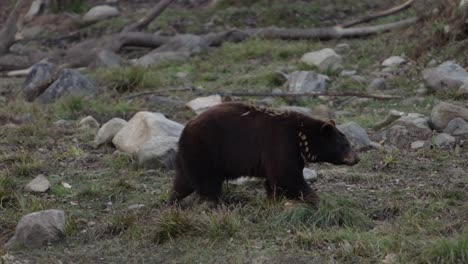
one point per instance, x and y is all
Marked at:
(326, 144)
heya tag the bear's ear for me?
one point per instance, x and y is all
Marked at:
(327, 130)
(332, 122)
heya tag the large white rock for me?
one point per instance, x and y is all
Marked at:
(444, 112)
(40, 184)
(37, 229)
(324, 59)
(306, 82)
(107, 132)
(201, 104)
(142, 128)
(100, 12)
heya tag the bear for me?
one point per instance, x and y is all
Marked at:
(233, 139)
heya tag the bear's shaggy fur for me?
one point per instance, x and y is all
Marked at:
(232, 140)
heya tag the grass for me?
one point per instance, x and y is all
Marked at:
(407, 205)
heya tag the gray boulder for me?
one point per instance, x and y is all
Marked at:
(342, 48)
(40, 184)
(405, 130)
(306, 82)
(69, 83)
(37, 229)
(159, 152)
(107, 58)
(324, 59)
(444, 140)
(100, 12)
(309, 175)
(444, 112)
(107, 132)
(41, 76)
(457, 127)
(356, 135)
(156, 58)
(446, 77)
(377, 84)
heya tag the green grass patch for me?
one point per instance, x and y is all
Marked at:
(332, 211)
(171, 224)
(446, 250)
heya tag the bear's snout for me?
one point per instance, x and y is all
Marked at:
(351, 158)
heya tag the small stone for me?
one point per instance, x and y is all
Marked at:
(457, 127)
(418, 144)
(107, 132)
(325, 59)
(276, 91)
(201, 104)
(356, 135)
(444, 140)
(64, 123)
(40, 184)
(100, 13)
(309, 175)
(135, 206)
(342, 48)
(377, 84)
(91, 224)
(88, 122)
(307, 82)
(393, 61)
(347, 73)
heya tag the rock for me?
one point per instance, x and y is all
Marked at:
(405, 130)
(393, 61)
(276, 91)
(40, 184)
(416, 120)
(135, 206)
(201, 104)
(142, 128)
(324, 59)
(156, 58)
(444, 112)
(164, 101)
(446, 77)
(463, 90)
(356, 135)
(69, 83)
(158, 152)
(267, 101)
(309, 175)
(444, 140)
(392, 116)
(299, 109)
(107, 132)
(37, 229)
(377, 84)
(307, 82)
(342, 48)
(323, 112)
(457, 127)
(418, 144)
(88, 122)
(347, 73)
(109, 59)
(37, 81)
(100, 12)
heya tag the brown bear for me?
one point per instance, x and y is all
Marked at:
(231, 140)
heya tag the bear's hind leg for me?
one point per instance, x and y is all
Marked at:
(210, 189)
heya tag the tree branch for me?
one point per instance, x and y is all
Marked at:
(371, 17)
(145, 21)
(8, 32)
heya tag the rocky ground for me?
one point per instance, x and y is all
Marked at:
(84, 178)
